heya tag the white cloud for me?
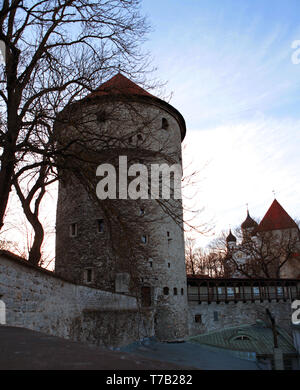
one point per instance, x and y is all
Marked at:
(247, 161)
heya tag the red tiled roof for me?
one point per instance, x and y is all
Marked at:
(119, 85)
(276, 218)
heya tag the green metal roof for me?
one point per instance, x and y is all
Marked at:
(260, 339)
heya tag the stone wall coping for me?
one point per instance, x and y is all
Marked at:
(23, 262)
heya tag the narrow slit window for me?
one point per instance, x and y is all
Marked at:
(198, 318)
(73, 229)
(175, 291)
(100, 225)
(101, 116)
(164, 124)
(182, 291)
(89, 275)
(144, 239)
(166, 290)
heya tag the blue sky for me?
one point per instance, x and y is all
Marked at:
(229, 66)
(228, 63)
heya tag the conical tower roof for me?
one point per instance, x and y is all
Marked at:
(230, 237)
(249, 222)
(276, 218)
(119, 85)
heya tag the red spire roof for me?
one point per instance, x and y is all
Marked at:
(119, 85)
(276, 218)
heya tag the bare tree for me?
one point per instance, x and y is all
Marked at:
(56, 51)
(202, 263)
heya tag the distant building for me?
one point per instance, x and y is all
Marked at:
(277, 231)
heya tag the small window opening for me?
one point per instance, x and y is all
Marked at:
(168, 234)
(144, 239)
(73, 229)
(169, 265)
(100, 225)
(142, 212)
(89, 275)
(242, 338)
(175, 291)
(101, 116)
(198, 318)
(166, 290)
(164, 124)
(182, 291)
(151, 264)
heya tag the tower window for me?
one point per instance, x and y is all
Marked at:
(151, 264)
(198, 318)
(142, 212)
(164, 124)
(182, 291)
(175, 291)
(169, 265)
(73, 230)
(144, 239)
(100, 225)
(166, 290)
(89, 275)
(168, 234)
(101, 116)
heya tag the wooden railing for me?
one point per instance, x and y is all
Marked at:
(243, 290)
(195, 297)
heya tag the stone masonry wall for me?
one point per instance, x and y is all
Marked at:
(38, 300)
(218, 316)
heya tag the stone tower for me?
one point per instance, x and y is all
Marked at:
(134, 247)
